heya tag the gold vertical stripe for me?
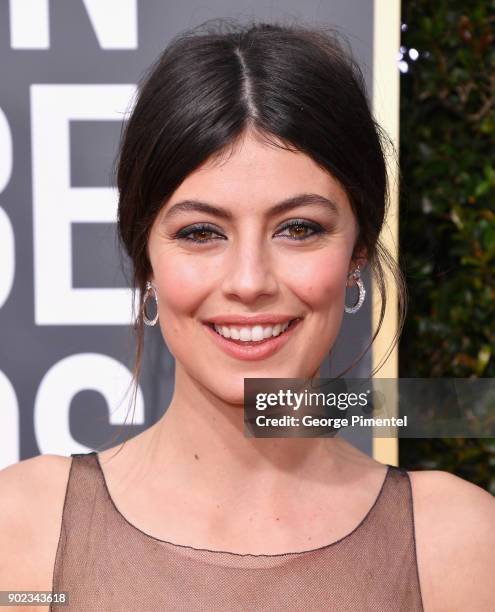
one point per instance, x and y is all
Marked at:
(385, 104)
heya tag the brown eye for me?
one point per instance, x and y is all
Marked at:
(302, 230)
(298, 231)
(200, 235)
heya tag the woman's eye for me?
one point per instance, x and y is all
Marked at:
(197, 233)
(301, 230)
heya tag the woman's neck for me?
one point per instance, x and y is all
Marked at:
(200, 441)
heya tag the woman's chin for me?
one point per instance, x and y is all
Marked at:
(230, 392)
(233, 395)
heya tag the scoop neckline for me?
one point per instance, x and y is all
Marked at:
(231, 553)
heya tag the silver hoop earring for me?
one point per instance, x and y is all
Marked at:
(150, 290)
(362, 292)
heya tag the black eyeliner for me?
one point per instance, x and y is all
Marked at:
(184, 233)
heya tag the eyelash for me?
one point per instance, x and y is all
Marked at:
(184, 234)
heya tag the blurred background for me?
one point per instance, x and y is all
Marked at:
(447, 212)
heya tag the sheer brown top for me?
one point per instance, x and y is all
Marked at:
(106, 563)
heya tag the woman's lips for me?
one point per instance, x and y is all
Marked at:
(252, 351)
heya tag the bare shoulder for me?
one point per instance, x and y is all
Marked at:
(455, 541)
(32, 493)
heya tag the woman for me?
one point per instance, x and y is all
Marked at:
(252, 188)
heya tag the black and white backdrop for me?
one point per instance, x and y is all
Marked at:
(69, 70)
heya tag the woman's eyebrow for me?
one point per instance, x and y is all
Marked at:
(302, 199)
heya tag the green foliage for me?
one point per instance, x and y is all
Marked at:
(447, 223)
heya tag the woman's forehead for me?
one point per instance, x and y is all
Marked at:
(257, 175)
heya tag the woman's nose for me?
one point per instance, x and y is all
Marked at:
(249, 271)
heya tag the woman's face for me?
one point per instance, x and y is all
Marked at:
(247, 261)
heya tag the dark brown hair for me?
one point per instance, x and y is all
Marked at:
(295, 86)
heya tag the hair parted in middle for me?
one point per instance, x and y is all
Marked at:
(292, 86)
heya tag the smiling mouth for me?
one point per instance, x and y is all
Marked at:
(292, 322)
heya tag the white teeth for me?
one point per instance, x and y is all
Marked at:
(245, 334)
(250, 334)
(267, 332)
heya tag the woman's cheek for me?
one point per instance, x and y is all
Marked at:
(183, 284)
(320, 282)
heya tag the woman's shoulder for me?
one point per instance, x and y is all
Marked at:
(32, 493)
(455, 541)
